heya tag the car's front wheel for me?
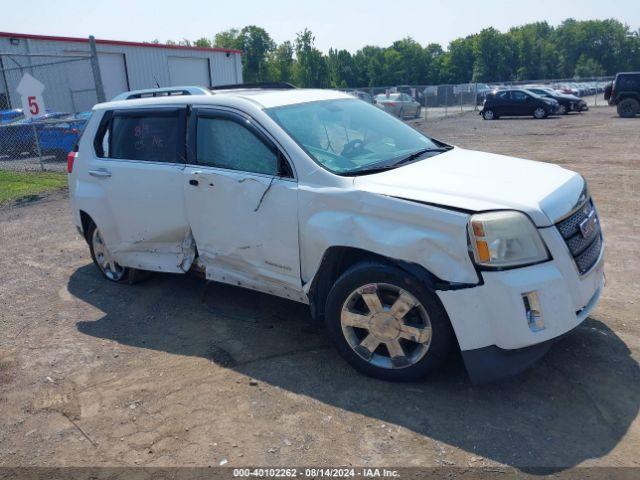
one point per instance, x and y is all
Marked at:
(628, 108)
(562, 109)
(386, 324)
(539, 113)
(103, 259)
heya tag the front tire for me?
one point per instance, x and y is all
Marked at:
(562, 110)
(628, 108)
(539, 113)
(103, 259)
(386, 324)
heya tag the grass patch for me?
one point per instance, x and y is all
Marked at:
(28, 185)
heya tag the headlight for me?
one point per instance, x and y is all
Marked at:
(505, 239)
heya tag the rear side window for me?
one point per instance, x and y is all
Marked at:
(145, 135)
(224, 143)
(629, 82)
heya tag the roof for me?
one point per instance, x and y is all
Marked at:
(261, 98)
(114, 42)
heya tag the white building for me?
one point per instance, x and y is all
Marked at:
(69, 82)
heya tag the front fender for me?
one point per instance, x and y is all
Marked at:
(430, 236)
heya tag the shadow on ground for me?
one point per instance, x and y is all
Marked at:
(576, 404)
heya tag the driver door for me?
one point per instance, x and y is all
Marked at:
(241, 202)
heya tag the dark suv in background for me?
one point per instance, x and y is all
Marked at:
(517, 102)
(624, 92)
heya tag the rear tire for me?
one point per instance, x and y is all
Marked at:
(562, 110)
(628, 108)
(400, 332)
(103, 260)
(489, 115)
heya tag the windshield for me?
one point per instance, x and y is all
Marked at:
(346, 136)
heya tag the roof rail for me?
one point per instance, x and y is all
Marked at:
(161, 92)
(259, 85)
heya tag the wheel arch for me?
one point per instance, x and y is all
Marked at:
(338, 259)
(86, 221)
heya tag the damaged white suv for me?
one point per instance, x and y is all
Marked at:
(405, 246)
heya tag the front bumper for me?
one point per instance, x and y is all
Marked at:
(490, 320)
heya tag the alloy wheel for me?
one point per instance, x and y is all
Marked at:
(386, 326)
(104, 259)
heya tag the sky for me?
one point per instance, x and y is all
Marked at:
(339, 24)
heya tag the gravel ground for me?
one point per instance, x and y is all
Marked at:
(174, 371)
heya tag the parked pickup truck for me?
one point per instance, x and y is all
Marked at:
(405, 246)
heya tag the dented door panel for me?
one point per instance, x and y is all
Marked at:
(142, 215)
(246, 228)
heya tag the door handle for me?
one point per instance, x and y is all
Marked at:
(100, 173)
(194, 182)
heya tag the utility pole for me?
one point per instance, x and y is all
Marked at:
(95, 66)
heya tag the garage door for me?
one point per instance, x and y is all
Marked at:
(114, 74)
(81, 84)
(189, 71)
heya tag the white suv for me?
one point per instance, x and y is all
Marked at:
(405, 246)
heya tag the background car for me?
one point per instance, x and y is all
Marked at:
(7, 116)
(517, 102)
(59, 138)
(567, 103)
(400, 105)
(364, 96)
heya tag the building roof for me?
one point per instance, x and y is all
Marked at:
(114, 42)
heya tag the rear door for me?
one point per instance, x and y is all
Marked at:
(241, 202)
(134, 190)
(521, 103)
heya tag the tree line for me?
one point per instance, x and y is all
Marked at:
(574, 49)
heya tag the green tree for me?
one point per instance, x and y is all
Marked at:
(280, 63)
(228, 39)
(256, 46)
(203, 42)
(492, 57)
(588, 67)
(310, 68)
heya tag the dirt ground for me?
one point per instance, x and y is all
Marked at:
(174, 371)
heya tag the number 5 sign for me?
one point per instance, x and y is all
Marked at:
(30, 91)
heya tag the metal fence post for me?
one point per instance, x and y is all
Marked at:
(95, 66)
(37, 145)
(446, 100)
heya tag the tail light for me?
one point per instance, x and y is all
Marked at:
(71, 157)
(72, 131)
(389, 104)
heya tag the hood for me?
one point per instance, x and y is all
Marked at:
(478, 181)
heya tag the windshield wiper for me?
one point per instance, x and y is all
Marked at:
(401, 161)
(419, 153)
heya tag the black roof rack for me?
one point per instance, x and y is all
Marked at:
(263, 85)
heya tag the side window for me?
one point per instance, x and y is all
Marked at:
(502, 95)
(518, 96)
(225, 143)
(148, 135)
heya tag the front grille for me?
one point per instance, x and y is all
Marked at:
(585, 250)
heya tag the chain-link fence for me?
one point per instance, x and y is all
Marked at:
(39, 144)
(437, 101)
(37, 132)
